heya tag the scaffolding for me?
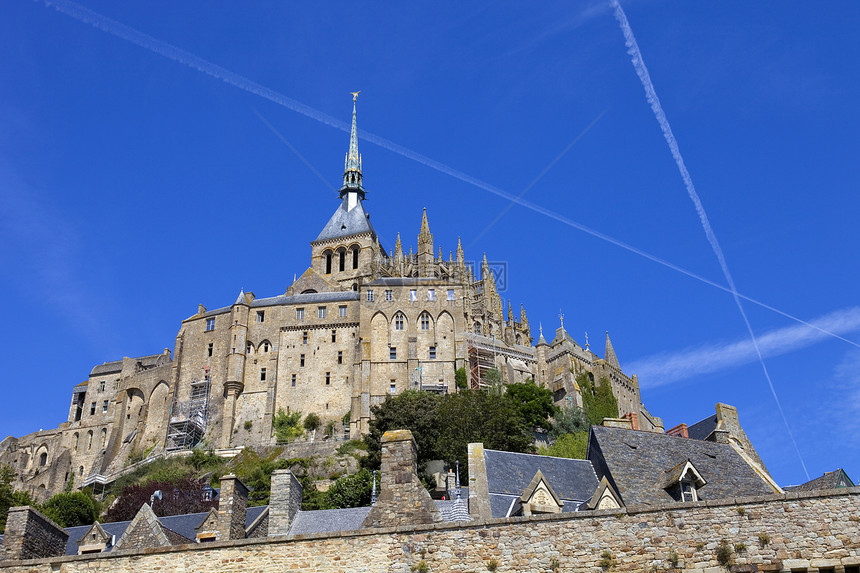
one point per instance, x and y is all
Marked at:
(188, 419)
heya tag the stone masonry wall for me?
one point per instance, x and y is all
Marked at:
(802, 533)
(29, 535)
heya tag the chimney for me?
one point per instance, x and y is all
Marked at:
(201, 309)
(634, 420)
(284, 502)
(403, 500)
(31, 535)
(679, 430)
(232, 505)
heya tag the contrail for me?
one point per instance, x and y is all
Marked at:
(181, 56)
(668, 367)
(294, 150)
(538, 178)
(657, 108)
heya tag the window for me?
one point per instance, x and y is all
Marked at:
(293, 381)
(92, 409)
(413, 294)
(688, 491)
(334, 335)
(262, 374)
(389, 295)
(432, 353)
(355, 258)
(90, 440)
(102, 386)
(370, 295)
(300, 314)
(81, 471)
(392, 388)
(209, 350)
(328, 378)
(249, 348)
(342, 261)
(104, 407)
(341, 311)
(104, 437)
(210, 324)
(339, 357)
(43, 459)
(450, 294)
(431, 294)
(477, 328)
(425, 321)
(328, 263)
(302, 361)
(265, 347)
(321, 312)
(398, 322)
(261, 315)
(392, 353)
(304, 338)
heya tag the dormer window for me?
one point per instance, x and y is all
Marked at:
(684, 481)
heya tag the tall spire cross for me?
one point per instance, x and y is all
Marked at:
(561, 317)
(352, 167)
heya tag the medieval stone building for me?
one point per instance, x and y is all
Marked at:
(359, 324)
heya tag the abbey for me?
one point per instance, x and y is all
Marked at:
(359, 324)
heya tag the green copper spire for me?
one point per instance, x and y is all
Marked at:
(352, 164)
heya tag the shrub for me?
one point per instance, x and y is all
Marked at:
(461, 379)
(287, 426)
(724, 554)
(72, 509)
(763, 540)
(568, 446)
(312, 422)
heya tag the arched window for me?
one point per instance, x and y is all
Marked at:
(43, 459)
(89, 439)
(425, 321)
(104, 437)
(328, 262)
(477, 328)
(341, 265)
(250, 348)
(81, 471)
(398, 321)
(355, 258)
(76, 438)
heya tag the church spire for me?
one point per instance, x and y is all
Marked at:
(352, 168)
(609, 353)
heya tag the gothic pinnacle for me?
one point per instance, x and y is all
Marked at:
(609, 353)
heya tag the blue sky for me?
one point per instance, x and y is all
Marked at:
(135, 186)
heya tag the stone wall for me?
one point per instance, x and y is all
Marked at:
(29, 535)
(777, 533)
(284, 502)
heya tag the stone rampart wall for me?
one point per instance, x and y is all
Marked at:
(778, 533)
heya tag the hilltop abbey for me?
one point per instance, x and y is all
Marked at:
(359, 324)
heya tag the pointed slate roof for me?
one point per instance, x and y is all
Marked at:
(609, 354)
(636, 464)
(241, 299)
(510, 474)
(830, 480)
(345, 222)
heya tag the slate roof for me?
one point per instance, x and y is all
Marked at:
(636, 464)
(116, 365)
(703, 428)
(184, 525)
(309, 298)
(509, 474)
(328, 520)
(345, 223)
(830, 480)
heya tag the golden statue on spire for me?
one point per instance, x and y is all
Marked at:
(355, 95)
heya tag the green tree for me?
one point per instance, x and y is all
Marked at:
(10, 497)
(598, 401)
(568, 446)
(72, 509)
(410, 410)
(312, 422)
(351, 491)
(569, 419)
(287, 426)
(478, 416)
(533, 402)
(461, 379)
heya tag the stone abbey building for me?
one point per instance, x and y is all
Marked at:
(360, 323)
